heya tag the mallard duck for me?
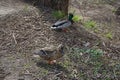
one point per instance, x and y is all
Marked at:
(51, 54)
(63, 24)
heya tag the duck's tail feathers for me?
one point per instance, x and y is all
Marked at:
(54, 27)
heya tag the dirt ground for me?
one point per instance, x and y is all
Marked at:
(24, 28)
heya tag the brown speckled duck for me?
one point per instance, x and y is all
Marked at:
(52, 53)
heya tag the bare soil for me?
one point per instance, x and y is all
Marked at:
(24, 27)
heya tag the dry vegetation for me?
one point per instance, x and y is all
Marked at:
(94, 52)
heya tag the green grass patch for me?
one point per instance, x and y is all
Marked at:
(58, 14)
(77, 18)
(109, 35)
(90, 24)
(95, 53)
(76, 53)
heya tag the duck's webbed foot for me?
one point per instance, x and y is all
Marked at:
(65, 30)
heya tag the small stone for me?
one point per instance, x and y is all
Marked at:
(81, 54)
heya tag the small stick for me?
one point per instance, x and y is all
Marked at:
(115, 75)
(14, 38)
(57, 74)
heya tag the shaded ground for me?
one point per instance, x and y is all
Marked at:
(10, 6)
(29, 28)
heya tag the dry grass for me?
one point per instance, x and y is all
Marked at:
(90, 55)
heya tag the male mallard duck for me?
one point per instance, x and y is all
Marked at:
(63, 24)
(51, 53)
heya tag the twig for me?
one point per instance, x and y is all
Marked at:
(57, 74)
(47, 75)
(14, 38)
(115, 75)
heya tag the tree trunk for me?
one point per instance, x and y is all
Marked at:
(56, 4)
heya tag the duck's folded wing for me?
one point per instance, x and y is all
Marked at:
(60, 22)
(49, 55)
(65, 25)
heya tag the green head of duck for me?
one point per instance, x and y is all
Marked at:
(70, 16)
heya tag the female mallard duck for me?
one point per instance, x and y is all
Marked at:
(51, 53)
(63, 24)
